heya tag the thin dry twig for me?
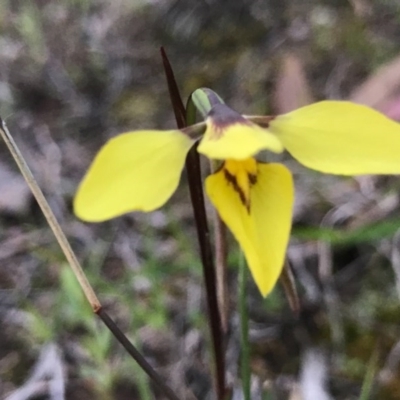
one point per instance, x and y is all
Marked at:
(289, 285)
(74, 263)
(50, 217)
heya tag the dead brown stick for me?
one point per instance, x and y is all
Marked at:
(76, 267)
(289, 285)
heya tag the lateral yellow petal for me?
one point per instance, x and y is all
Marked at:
(135, 171)
(340, 138)
(262, 226)
(231, 136)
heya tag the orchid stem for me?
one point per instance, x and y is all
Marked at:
(244, 330)
(196, 193)
(185, 117)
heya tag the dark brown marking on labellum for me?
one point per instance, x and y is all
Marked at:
(232, 180)
(242, 196)
(252, 178)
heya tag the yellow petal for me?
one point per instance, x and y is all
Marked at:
(231, 136)
(260, 219)
(341, 138)
(135, 171)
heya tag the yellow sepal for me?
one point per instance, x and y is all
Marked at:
(260, 218)
(135, 171)
(237, 140)
(340, 138)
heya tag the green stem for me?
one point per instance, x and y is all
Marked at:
(244, 329)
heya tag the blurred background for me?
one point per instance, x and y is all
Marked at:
(74, 73)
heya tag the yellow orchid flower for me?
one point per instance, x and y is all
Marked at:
(139, 171)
